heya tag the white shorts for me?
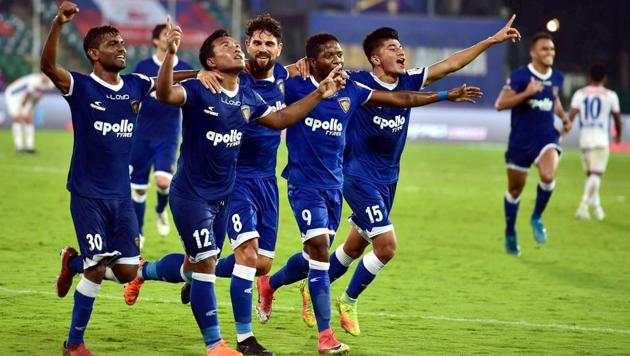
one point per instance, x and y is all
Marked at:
(595, 159)
(15, 107)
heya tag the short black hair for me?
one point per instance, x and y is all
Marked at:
(376, 38)
(207, 51)
(314, 43)
(264, 23)
(540, 36)
(597, 72)
(157, 30)
(95, 35)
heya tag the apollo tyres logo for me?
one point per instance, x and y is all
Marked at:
(124, 128)
(396, 124)
(230, 139)
(331, 127)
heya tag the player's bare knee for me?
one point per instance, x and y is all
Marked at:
(95, 273)
(162, 183)
(125, 273)
(247, 253)
(206, 265)
(385, 246)
(547, 176)
(318, 248)
(140, 192)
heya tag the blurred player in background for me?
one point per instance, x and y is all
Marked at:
(531, 92)
(21, 97)
(376, 138)
(156, 141)
(595, 104)
(104, 106)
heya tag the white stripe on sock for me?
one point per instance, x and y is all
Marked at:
(245, 272)
(88, 288)
(343, 258)
(547, 186)
(321, 266)
(372, 263)
(204, 277)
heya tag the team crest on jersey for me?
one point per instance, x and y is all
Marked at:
(280, 84)
(344, 103)
(135, 106)
(246, 111)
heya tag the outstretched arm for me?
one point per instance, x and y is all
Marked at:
(48, 62)
(297, 111)
(508, 98)
(165, 91)
(460, 59)
(408, 99)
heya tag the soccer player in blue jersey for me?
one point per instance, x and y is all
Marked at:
(156, 140)
(104, 106)
(531, 92)
(314, 175)
(213, 126)
(376, 137)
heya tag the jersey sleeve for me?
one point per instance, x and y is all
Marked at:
(576, 100)
(362, 93)
(146, 84)
(77, 81)
(417, 77)
(516, 82)
(614, 102)
(291, 90)
(261, 108)
(190, 94)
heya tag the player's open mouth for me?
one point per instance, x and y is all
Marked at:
(401, 61)
(121, 57)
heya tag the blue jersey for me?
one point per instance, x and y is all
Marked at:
(259, 148)
(103, 118)
(158, 120)
(316, 143)
(212, 128)
(533, 119)
(376, 135)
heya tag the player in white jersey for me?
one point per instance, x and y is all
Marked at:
(595, 104)
(21, 97)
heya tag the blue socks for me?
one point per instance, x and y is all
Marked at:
(167, 268)
(510, 207)
(84, 297)
(225, 266)
(76, 264)
(241, 294)
(365, 273)
(295, 270)
(339, 263)
(543, 195)
(203, 303)
(162, 200)
(319, 287)
(139, 206)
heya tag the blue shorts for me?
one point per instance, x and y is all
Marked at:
(105, 228)
(521, 157)
(371, 204)
(253, 213)
(144, 154)
(201, 226)
(317, 211)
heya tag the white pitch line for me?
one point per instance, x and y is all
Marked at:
(518, 323)
(38, 169)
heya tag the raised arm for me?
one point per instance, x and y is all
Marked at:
(297, 111)
(460, 59)
(408, 99)
(508, 98)
(48, 62)
(165, 91)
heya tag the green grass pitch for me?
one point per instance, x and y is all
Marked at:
(450, 290)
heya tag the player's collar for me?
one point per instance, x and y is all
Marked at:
(159, 63)
(230, 93)
(388, 86)
(114, 87)
(540, 75)
(315, 83)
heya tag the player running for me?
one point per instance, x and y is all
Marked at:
(314, 175)
(371, 170)
(595, 104)
(213, 126)
(156, 140)
(531, 92)
(104, 106)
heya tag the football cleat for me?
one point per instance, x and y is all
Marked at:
(64, 279)
(250, 346)
(598, 212)
(348, 316)
(76, 350)
(163, 226)
(222, 349)
(132, 289)
(265, 299)
(582, 213)
(307, 307)
(511, 245)
(329, 345)
(540, 232)
(184, 293)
